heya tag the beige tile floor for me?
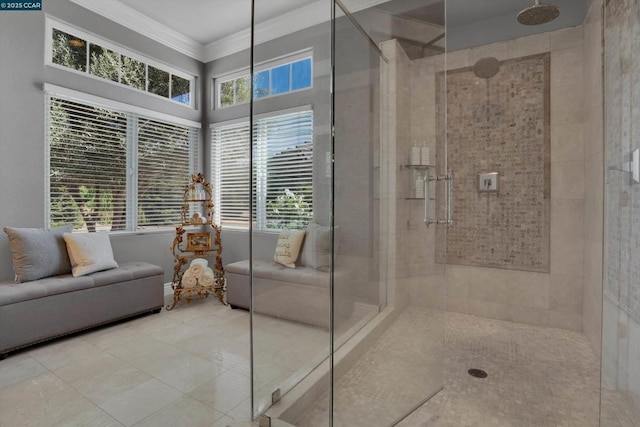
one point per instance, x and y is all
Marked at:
(152, 370)
(190, 367)
(186, 367)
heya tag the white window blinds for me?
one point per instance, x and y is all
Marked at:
(165, 161)
(112, 170)
(282, 171)
(230, 168)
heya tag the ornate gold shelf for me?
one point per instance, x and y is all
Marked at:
(202, 244)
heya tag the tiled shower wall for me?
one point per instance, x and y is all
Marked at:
(499, 124)
(593, 177)
(621, 305)
(414, 277)
(549, 299)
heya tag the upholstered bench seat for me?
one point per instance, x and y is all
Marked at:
(274, 271)
(301, 294)
(43, 309)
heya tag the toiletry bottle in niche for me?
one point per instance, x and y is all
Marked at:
(425, 154)
(415, 155)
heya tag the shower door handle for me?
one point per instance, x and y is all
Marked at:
(427, 200)
(450, 198)
(448, 179)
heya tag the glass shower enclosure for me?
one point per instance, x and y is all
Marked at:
(353, 335)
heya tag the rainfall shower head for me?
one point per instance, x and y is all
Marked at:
(538, 14)
(485, 68)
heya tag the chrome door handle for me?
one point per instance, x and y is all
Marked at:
(450, 198)
(427, 200)
(448, 178)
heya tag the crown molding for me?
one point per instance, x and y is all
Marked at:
(304, 17)
(141, 23)
(296, 20)
(227, 46)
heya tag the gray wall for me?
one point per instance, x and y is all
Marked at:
(22, 127)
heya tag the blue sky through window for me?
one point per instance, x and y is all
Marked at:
(301, 74)
(185, 98)
(280, 82)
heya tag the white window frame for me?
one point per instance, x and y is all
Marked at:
(131, 193)
(51, 24)
(261, 208)
(273, 63)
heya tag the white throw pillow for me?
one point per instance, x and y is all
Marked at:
(89, 253)
(316, 251)
(288, 247)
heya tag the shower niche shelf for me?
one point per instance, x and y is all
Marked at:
(419, 167)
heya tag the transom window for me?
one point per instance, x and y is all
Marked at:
(110, 169)
(271, 79)
(282, 170)
(76, 50)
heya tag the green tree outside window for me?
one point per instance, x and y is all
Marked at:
(69, 51)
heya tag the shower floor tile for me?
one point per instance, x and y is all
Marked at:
(537, 376)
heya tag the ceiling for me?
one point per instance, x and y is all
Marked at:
(208, 29)
(462, 12)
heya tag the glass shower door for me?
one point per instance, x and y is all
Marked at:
(385, 66)
(291, 173)
(353, 334)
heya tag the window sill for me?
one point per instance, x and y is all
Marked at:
(246, 230)
(117, 234)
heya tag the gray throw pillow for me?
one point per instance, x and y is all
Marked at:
(38, 252)
(316, 251)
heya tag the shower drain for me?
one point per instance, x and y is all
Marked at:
(478, 373)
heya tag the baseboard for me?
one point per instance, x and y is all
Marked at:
(167, 289)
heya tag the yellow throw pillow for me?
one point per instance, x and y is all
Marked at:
(288, 247)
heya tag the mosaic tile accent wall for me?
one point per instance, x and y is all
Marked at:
(500, 125)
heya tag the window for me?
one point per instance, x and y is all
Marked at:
(73, 49)
(275, 78)
(91, 148)
(282, 172)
